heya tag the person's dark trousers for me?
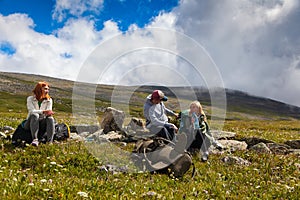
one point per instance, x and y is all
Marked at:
(200, 141)
(164, 132)
(39, 126)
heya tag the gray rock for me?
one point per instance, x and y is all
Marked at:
(114, 168)
(84, 128)
(111, 136)
(136, 124)
(278, 148)
(233, 145)
(295, 144)
(75, 136)
(218, 135)
(251, 141)
(7, 128)
(295, 152)
(112, 120)
(261, 148)
(235, 160)
(84, 134)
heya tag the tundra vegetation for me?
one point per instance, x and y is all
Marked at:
(67, 170)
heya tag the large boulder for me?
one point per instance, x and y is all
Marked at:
(112, 120)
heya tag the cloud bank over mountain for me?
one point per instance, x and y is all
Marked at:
(254, 45)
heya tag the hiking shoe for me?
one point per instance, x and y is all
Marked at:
(35, 143)
(204, 157)
(218, 146)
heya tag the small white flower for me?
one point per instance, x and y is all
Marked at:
(52, 163)
(31, 184)
(46, 190)
(43, 181)
(83, 194)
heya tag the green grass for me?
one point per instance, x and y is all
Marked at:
(63, 170)
(275, 130)
(12, 103)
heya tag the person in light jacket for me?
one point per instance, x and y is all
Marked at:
(40, 115)
(156, 113)
(193, 123)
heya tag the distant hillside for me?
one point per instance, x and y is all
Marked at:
(15, 87)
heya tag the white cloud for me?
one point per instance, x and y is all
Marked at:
(60, 55)
(255, 44)
(164, 20)
(10, 26)
(75, 8)
(281, 10)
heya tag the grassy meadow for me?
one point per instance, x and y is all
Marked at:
(67, 170)
(70, 169)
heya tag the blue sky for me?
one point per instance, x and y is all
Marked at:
(254, 46)
(123, 12)
(39, 12)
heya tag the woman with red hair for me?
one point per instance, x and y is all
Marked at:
(40, 115)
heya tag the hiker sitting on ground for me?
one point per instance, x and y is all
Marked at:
(156, 113)
(194, 124)
(40, 119)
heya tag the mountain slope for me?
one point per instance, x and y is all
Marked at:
(15, 87)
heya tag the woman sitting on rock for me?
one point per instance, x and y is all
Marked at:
(40, 115)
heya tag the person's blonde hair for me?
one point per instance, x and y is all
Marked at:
(198, 105)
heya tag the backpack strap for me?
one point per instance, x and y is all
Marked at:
(194, 170)
(161, 139)
(193, 166)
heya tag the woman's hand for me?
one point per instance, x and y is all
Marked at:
(48, 112)
(174, 127)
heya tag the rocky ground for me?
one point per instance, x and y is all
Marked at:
(113, 130)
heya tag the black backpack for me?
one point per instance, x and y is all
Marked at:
(21, 136)
(62, 132)
(163, 156)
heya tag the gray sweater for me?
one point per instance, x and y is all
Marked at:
(156, 114)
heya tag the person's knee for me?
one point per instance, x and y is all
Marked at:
(34, 116)
(50, 120)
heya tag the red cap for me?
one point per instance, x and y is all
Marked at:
(158, 94)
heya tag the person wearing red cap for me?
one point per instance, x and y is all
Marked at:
(156, 113)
